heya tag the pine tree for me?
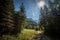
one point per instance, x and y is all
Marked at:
(22, 16)
(43, 17)
(6, 16)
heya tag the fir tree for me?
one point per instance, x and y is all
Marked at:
(22, 15)
(6, 17)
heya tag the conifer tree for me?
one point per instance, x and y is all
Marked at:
(22, 15)
(6, 16)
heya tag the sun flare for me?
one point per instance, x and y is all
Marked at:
(41, 4)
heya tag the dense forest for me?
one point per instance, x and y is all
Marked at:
(14, 25)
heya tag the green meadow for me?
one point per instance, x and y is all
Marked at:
(26, 34)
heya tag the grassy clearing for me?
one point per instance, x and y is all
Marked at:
(27, 33)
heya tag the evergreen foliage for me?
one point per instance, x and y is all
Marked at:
(52, 21)
(6, 17)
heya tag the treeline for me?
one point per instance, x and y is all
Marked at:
(31, 24)
(50, 19)
(11, 23)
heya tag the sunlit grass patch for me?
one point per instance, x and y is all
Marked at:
(27, 33)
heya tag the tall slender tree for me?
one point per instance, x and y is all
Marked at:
(44, 17)
(22, 16)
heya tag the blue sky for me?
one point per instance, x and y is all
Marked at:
(32, 10)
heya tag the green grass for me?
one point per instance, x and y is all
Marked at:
(27, 33)
(24, 35)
